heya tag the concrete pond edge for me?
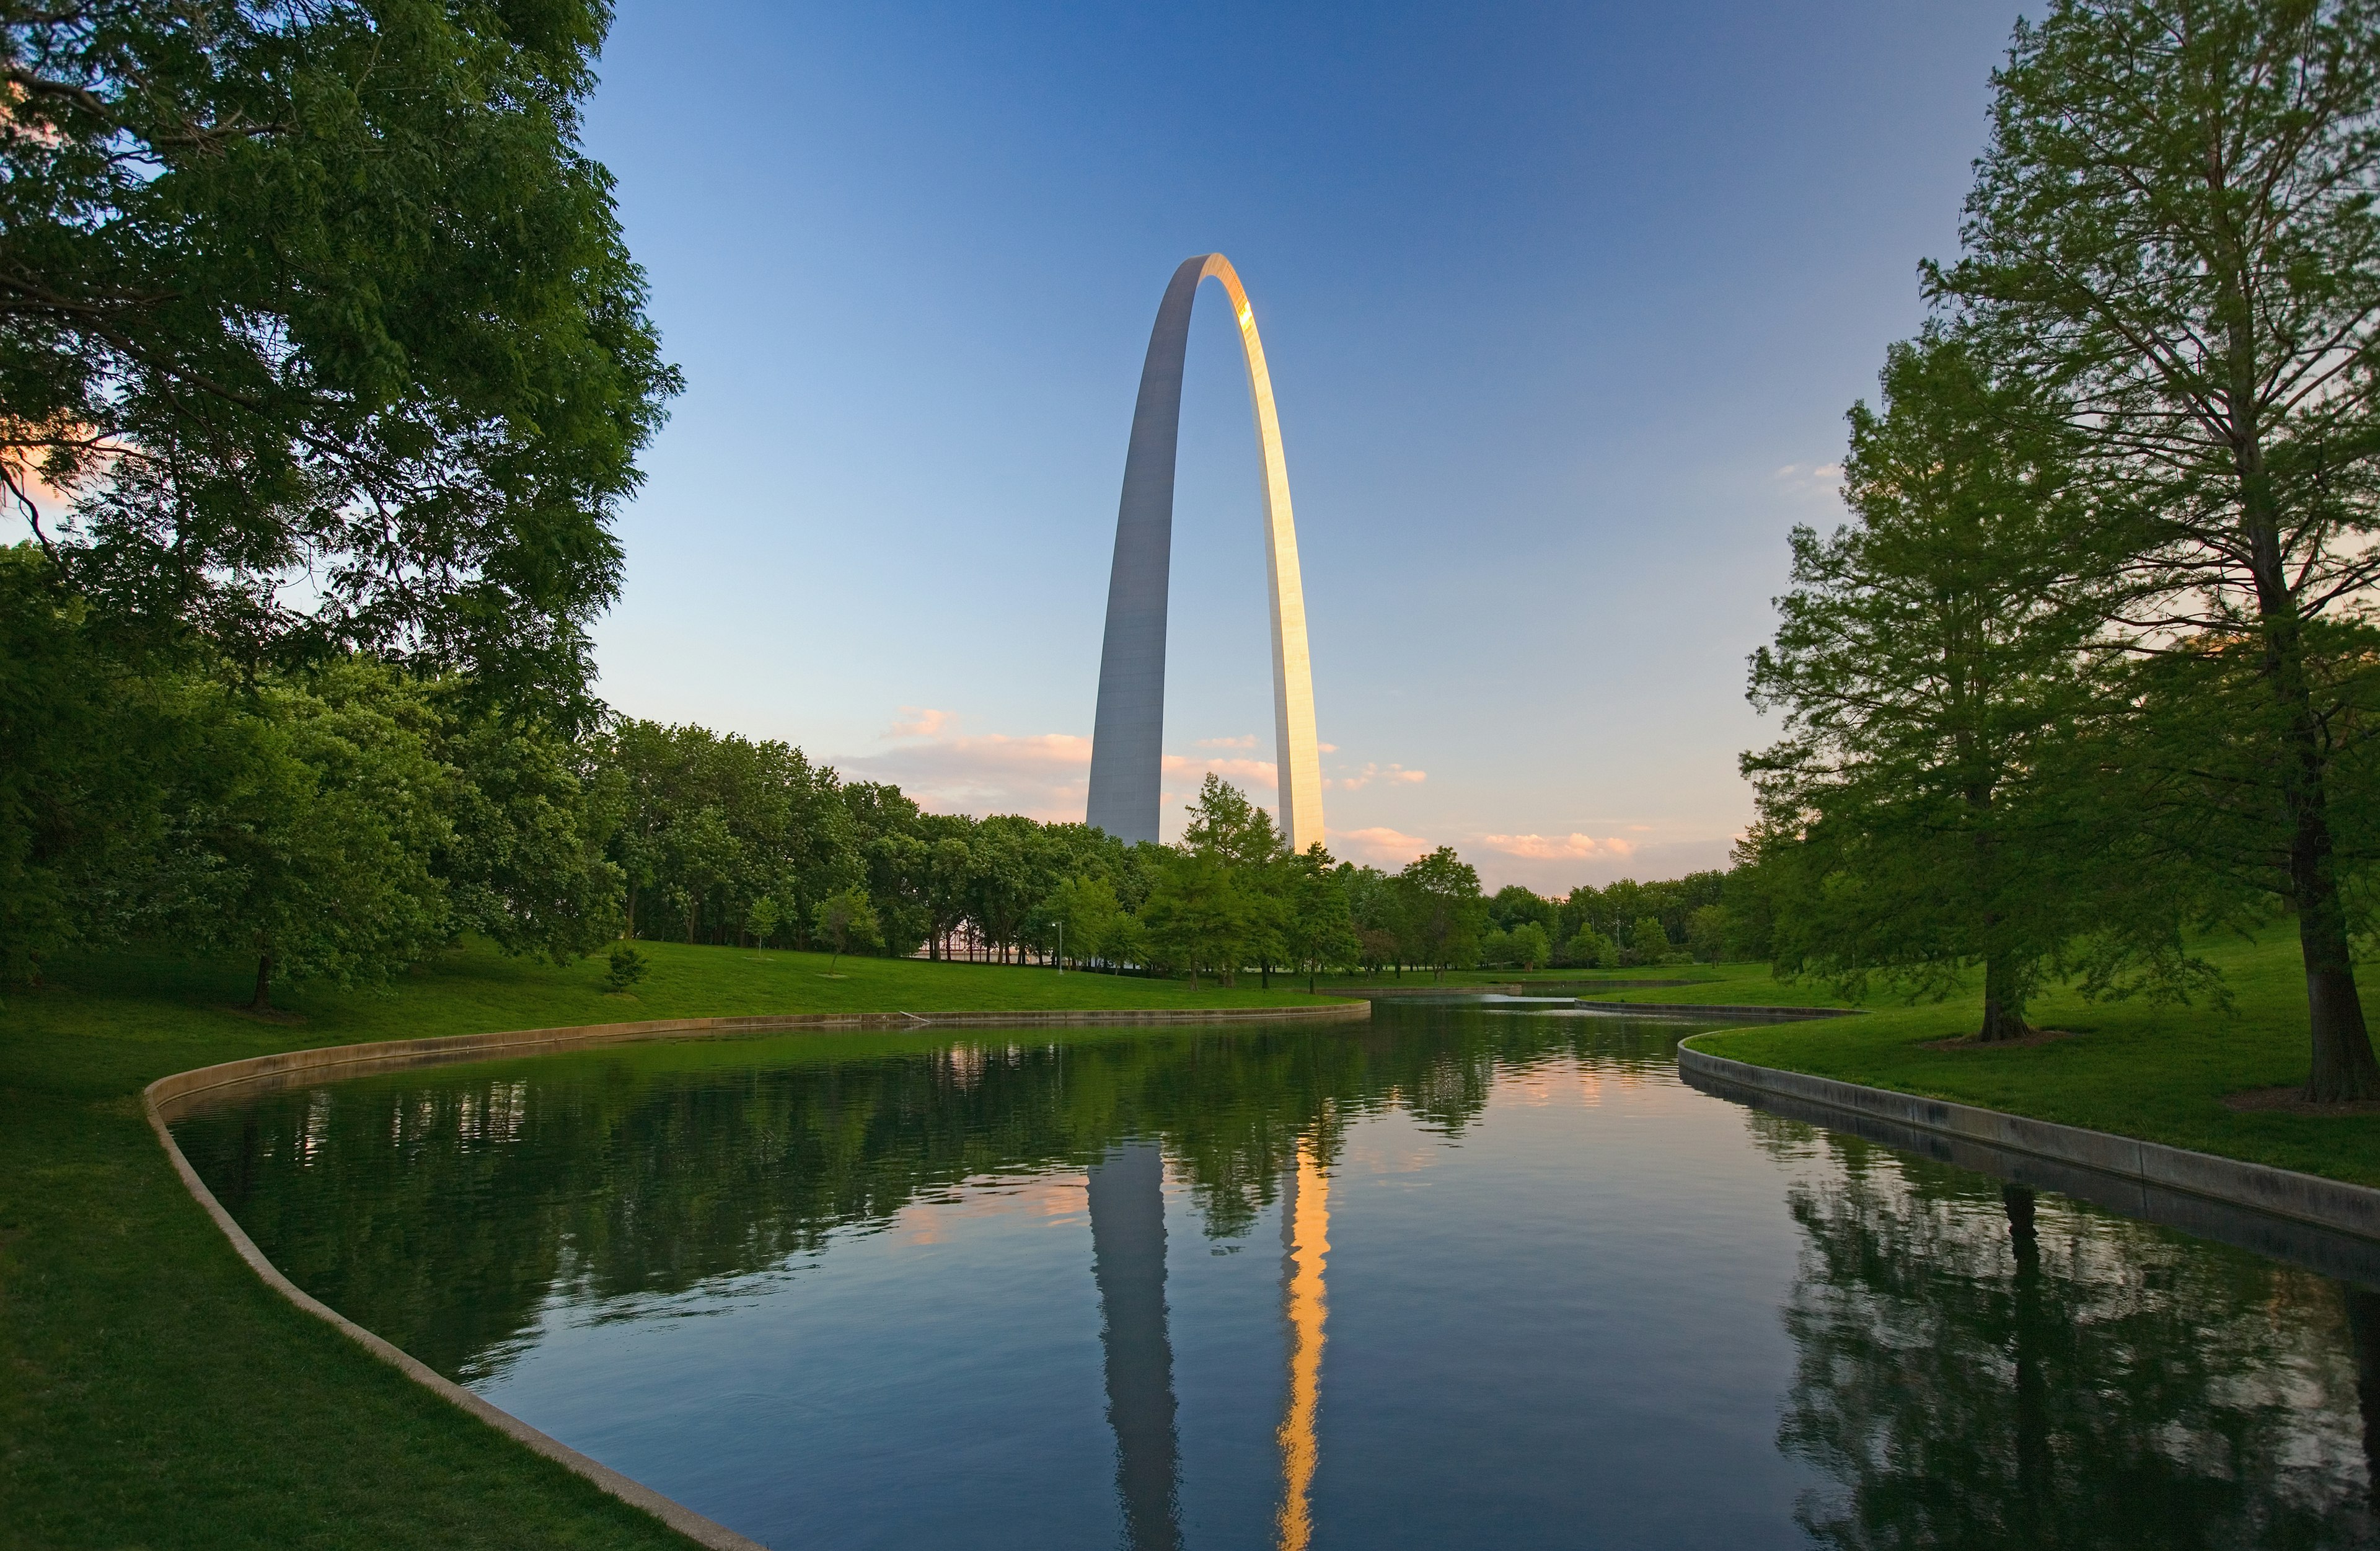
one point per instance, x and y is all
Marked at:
(2280, 1192)
(169, 1097)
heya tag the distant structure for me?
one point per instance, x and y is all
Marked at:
(1127, 738)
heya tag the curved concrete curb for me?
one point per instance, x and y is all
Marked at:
(175, 1093)
(677, 1515)
(170, 1096)
(2282, 1192)
(1721, 1009)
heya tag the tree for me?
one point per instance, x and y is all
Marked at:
(1647, 943)
(1593, 949)
(524, 865)
(1197, 916)
(949, 870)
(1376, 907)
(1708, 931)
(1088, 910)
(1931, 665)
(1241, 836)
(703, 854)
(1441, 895)
(1528, 947)
(302, 833)
(763, 918)
(2175, 223)
(323, 319)
(845, 919)
(1316, 926)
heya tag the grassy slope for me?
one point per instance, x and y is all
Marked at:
(2157, 1073)
(153, 1393)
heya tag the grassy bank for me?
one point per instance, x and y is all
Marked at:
(154, 1394)
(2157, 1073)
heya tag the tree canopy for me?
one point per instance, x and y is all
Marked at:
(322, 323)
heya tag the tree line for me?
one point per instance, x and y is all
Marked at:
(346, 818)
(2093, 664)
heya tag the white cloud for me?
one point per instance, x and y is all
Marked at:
(1247, 740)
(1823, 479)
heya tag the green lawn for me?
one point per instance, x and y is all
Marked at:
(2156, 1074)
(154, 1394)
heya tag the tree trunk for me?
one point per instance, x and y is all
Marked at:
(262, 1000)
(2003, 1003)
(2341, 1065)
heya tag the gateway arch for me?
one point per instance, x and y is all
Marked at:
(1127, 738)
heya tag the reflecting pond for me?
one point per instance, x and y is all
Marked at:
(1470, 1274)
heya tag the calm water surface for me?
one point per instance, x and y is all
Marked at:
(1470, 1275)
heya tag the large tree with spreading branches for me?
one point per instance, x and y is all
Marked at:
(2174, 227)
(316, 326)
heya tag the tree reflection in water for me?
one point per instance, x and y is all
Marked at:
(636, 1175)
(1979, 1368)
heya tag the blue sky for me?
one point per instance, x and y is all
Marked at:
(1564, 305)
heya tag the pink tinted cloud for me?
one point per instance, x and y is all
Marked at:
(1183, 775)
(1546, 848)
(1371, 773)
(1247, 740)
(1045, 777)
(922, 721)
(1381, 846)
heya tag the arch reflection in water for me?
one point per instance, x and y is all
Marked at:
(1127, 1191)
(1127, 1205)
(1304, 1246)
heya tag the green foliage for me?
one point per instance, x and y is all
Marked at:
(1086, 917)
(1709, 932)
(845, 919)
(1317, 928)
(1593, 949)
(625, 967)
(1444, 913)
(524, 865)
(324, 316)
(1932, 665)
(763, 918)
(2174, 224)
(705, 824)
(1528, 947)
(1648, 942)
(1196, 918)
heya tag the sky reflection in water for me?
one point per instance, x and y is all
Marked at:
(1464, 1277)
